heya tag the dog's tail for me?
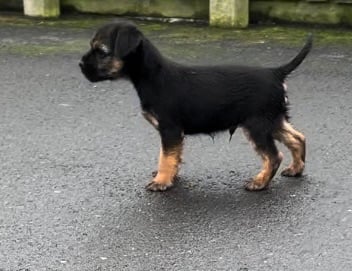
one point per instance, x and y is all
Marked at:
(284, 70)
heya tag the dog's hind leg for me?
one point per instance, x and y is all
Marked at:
(169, 160)
(296, 143)
(265, 146)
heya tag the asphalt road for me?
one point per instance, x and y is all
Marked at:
(75, 156)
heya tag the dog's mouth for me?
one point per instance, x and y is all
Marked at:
(92, 75)
(95, 75)
(94, 79)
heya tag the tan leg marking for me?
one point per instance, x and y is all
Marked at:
(296, 143)
(169, 161)
(270, 166)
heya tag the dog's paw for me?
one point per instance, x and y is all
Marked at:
(154, 186)
(253, 185)
(291, 172)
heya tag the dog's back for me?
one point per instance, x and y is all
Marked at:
(210, 99)
(207, 99)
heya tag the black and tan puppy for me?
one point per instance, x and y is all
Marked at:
(183, 100)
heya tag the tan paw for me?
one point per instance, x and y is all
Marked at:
(253, 185)
(155, 186)
(292, 172)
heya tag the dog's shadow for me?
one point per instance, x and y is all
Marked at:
(202, 209)
(206, 203)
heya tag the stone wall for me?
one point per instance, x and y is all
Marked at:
(159, 8)
(6, 5)
(304, 11)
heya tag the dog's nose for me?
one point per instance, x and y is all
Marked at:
(81, 64)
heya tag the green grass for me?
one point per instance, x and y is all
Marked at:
(189, 35)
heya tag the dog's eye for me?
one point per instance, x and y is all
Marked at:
(101, 53)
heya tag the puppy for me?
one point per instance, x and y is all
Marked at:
(183, 100)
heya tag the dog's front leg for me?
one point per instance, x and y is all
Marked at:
(169, 159)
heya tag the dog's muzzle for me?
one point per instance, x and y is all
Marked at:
(89, 74)
(96, 68)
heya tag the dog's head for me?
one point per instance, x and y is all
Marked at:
(111, 46)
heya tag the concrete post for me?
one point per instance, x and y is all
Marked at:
(42, 8)
(229, 13)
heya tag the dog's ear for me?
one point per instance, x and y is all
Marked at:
(127, 40)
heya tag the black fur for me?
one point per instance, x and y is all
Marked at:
(189, 99)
